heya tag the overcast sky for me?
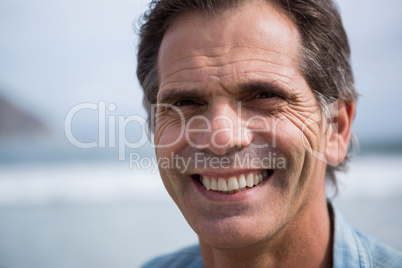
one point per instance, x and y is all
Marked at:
(55, 54)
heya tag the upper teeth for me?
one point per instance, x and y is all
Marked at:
(234, 184)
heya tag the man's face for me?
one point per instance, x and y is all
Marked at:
(235, 78)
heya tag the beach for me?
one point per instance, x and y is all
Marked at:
(104, 214)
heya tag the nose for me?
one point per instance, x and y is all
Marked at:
(225, 130)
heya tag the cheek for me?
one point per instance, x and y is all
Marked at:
(304, 127)
(301, 138)
(168, 142)
(294, 134)
(288, 141)
(169, 134)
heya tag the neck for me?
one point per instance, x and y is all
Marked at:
(306, 241)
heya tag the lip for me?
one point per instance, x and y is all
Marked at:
(215, 196)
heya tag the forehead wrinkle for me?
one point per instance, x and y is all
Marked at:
(201, 55)
(230, 51)
(175, 72)
(256, 60)
(223, 62)
(212, 66)
(263, 72)
(194, 62)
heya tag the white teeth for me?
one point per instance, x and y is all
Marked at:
(259, 178)
(233, 184)
(256, 180)
(250, 180)
(222, 185)
(242, 181)
(214, 185)
(207, 183)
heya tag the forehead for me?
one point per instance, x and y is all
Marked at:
(250, 34)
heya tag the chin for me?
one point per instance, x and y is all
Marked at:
(240, 231)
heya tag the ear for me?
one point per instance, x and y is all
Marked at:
(339, 132)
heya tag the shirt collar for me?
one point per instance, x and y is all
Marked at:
(348, 250)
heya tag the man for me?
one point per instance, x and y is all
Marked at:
(254, 102)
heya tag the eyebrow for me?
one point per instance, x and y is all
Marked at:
(174, 94)
(263, 86)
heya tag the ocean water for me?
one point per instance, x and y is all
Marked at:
(106, 214)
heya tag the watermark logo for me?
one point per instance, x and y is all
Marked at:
(110, 124)
(115, 124)
(201, 161)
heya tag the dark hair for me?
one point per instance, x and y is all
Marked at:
(325, 48)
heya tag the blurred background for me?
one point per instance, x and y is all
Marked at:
(72, 63)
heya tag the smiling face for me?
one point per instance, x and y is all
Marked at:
(231, 90)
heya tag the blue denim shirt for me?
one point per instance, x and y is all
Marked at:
(355, 249)
(351, 249)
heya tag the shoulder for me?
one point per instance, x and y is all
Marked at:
(353, 248)
(189, 257)
(380, 255)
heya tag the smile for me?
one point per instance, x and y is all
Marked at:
(233, 184)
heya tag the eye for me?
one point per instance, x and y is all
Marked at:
(265, 95)
(184, 103)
